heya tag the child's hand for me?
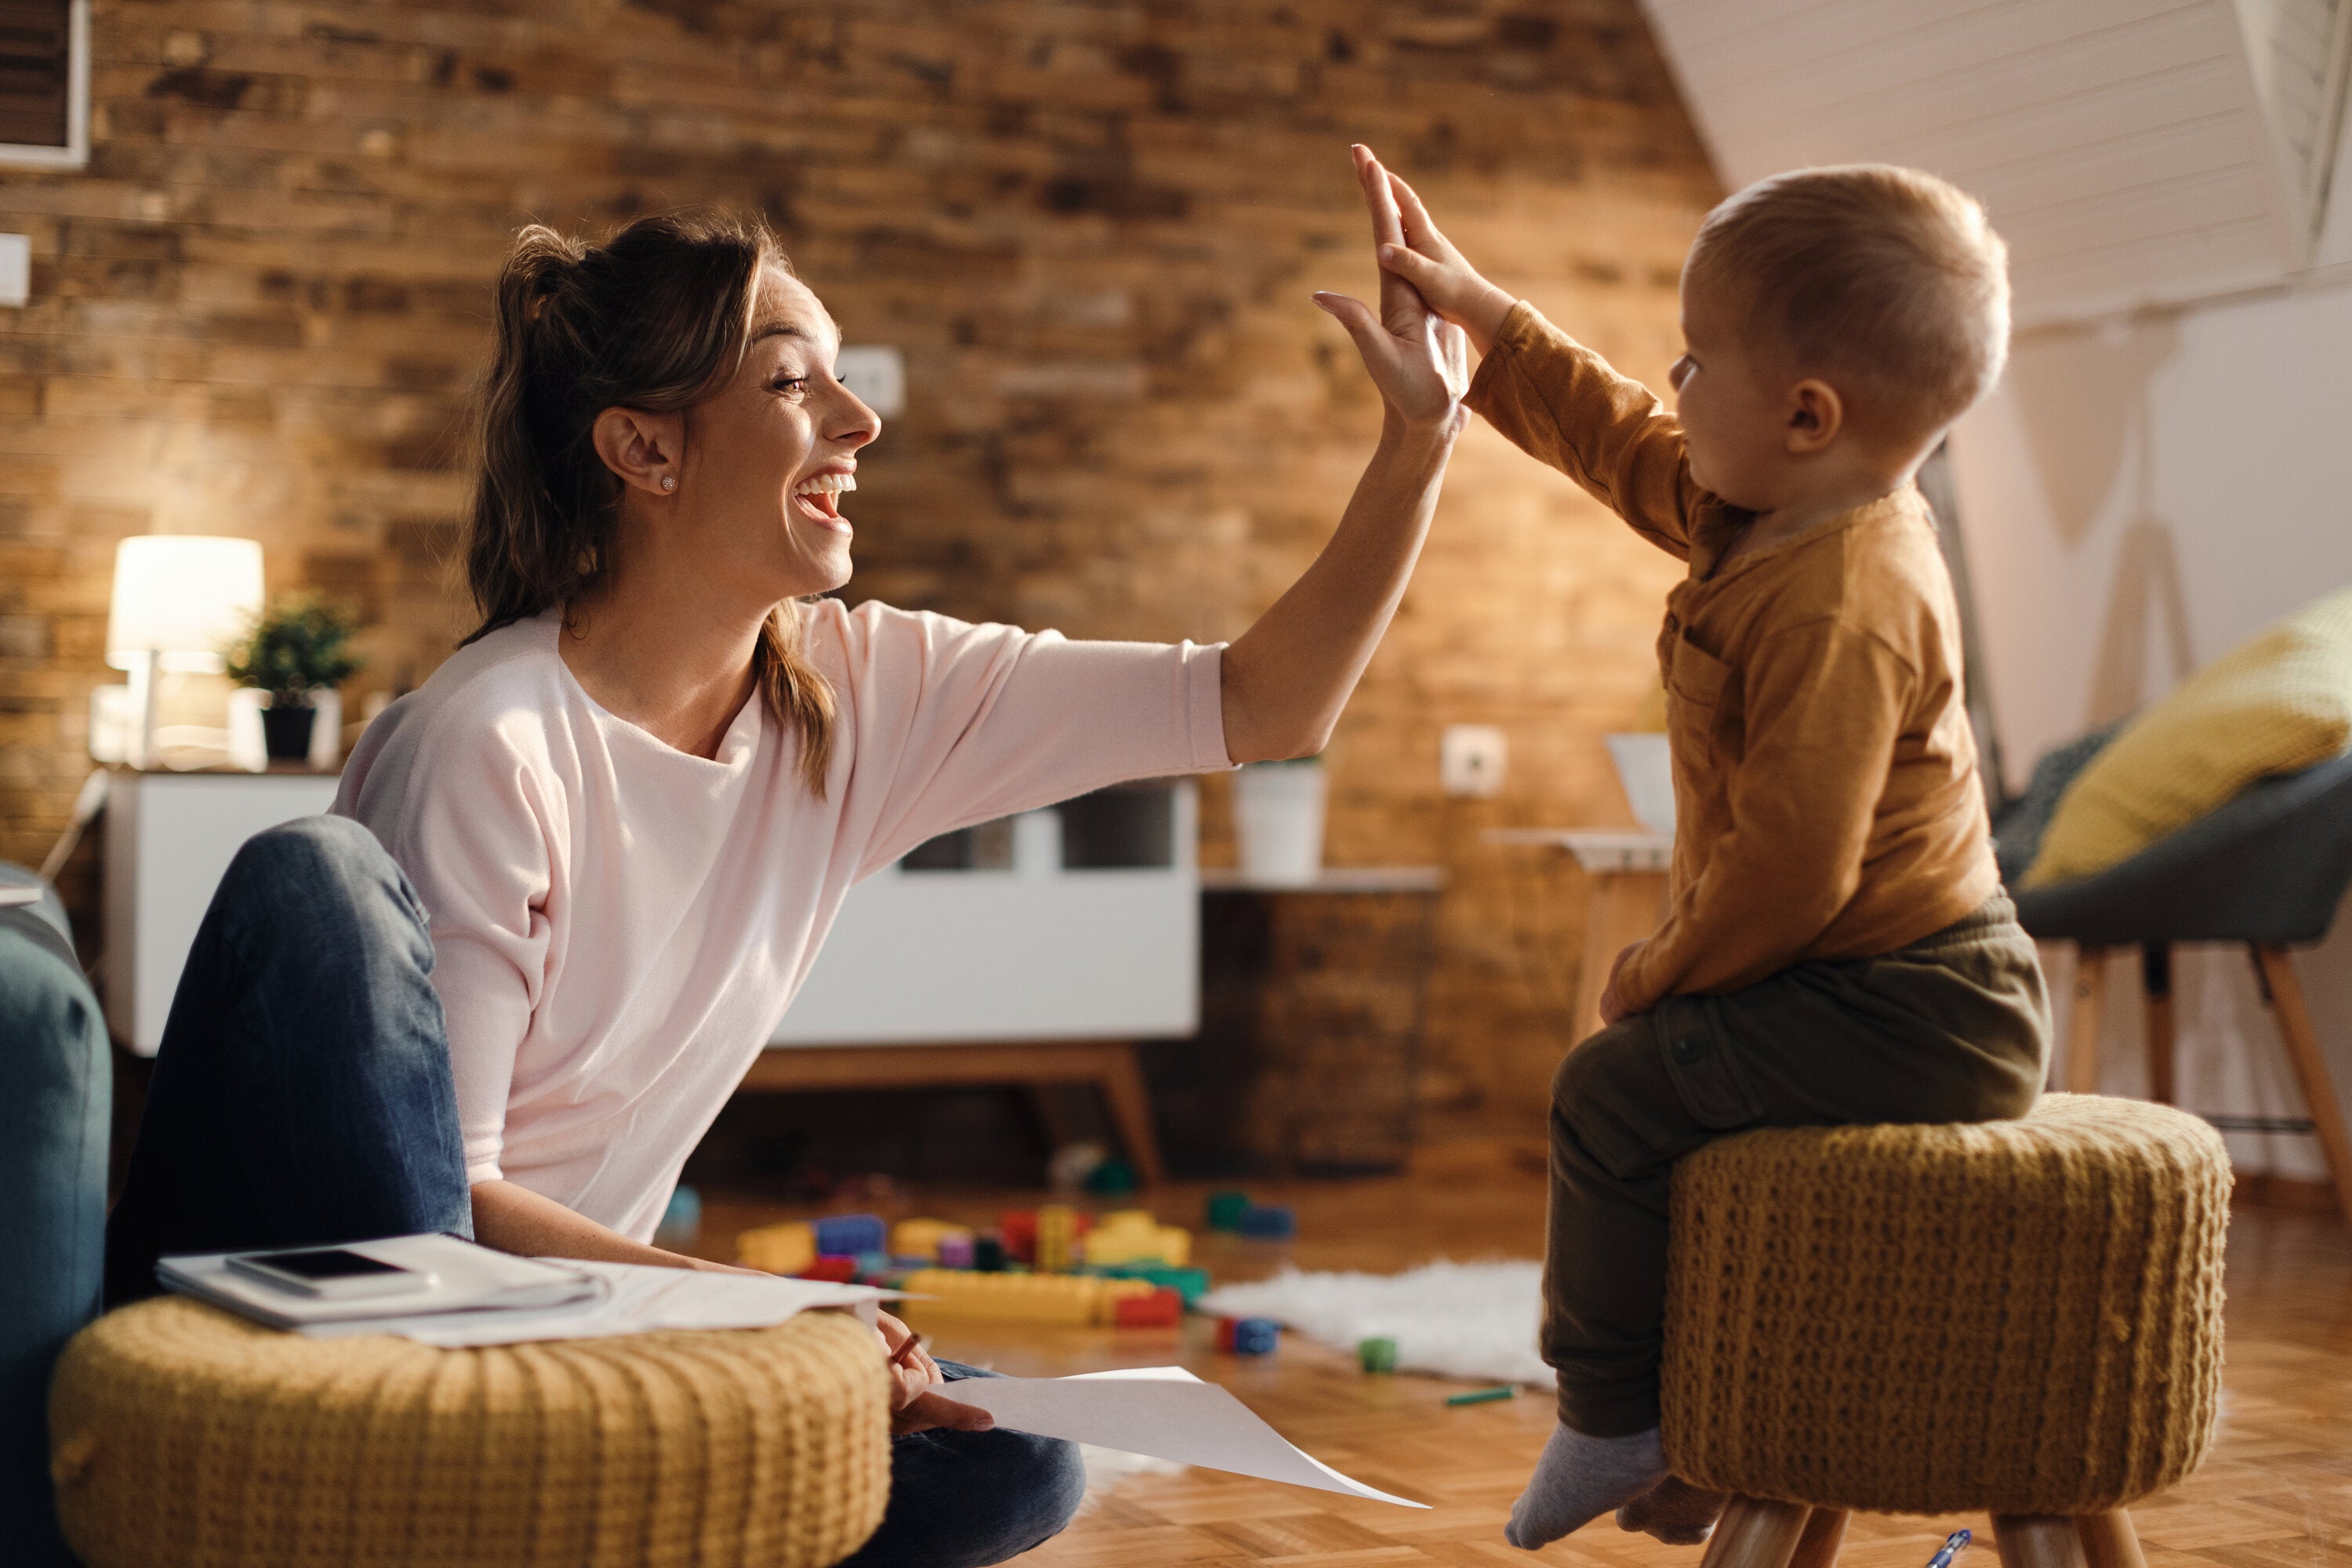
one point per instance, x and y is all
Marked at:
(1612, 1006)
(1419, 362)
(1427, 259)
(913, 1374)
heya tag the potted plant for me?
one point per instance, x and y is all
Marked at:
(299, 644)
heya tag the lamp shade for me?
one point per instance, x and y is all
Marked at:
(182, 595)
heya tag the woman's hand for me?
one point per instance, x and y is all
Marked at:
(1420, 362)
(913, 1374)
(1427, 259)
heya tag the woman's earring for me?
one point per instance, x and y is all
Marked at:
(669, 481)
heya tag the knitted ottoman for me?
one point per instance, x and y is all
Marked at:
(184, 1436)
(2022, 1317)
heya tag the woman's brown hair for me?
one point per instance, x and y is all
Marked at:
(657, 318)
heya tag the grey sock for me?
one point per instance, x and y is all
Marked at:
(1578, 1480)
(1674, 1511)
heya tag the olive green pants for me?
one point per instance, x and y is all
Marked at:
(1955, 1028)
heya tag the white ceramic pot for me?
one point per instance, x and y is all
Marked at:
(1278, 816)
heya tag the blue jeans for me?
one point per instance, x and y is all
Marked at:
(302, 1098)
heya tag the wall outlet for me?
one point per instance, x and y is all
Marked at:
(877, 372)
(15, 269)
(1470, 760)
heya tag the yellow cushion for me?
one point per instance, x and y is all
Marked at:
(2274, 705)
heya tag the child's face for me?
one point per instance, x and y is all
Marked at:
(1734, 409)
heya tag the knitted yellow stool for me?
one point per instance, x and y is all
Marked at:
(2021, 1317)
(183, 1437)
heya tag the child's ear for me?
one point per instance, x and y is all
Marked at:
(1816, 415)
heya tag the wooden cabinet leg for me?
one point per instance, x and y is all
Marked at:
(1824, 1534)
(1131, 1112)
(2037, 1540)
(2108, 1539)
(2083, 1022)
(2155, 986)
(1625, 906)
(2283, 991)
(1756, 1533)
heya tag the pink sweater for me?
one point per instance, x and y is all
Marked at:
(618, 926)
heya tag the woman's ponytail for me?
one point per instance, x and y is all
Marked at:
(654, 319)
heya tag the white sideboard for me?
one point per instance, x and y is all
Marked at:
(1088, 929)
(169, 838)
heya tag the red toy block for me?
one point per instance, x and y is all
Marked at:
(1019, 1229)
(840, 1270)
(1225, 1333)
(1163, 1308)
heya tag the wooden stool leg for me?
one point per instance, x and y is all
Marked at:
(2283, 991)
(2082, 1023)
(1756, 1533)
(1130, 1112)
(2037, 1540)
(2156, 986)
(2108, 1539)
(1824, 1534)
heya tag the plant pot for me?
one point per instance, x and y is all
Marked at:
(1278, 817)
(286, 733)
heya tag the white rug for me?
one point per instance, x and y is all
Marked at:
(1472, 1320)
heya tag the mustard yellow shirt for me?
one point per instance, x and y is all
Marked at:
(1826, 799)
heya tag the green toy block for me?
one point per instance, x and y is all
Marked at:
(1226, 1210)
(1190, 1283)
(1377, 1355)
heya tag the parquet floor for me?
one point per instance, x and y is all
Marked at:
(2277, 1492)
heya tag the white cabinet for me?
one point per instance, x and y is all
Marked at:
(1080, 923)
(169, 838)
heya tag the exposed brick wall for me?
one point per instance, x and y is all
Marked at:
(1092, 228)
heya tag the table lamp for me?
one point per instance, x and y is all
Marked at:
(178, 599)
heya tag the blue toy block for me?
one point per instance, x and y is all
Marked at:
(682, 1221)
(876, 1262)
(851, 1234)
(1269, 1222)
(1256, 1336)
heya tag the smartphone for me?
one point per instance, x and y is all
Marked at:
(332, 1273)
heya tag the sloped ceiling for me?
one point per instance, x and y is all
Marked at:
(2131, 152)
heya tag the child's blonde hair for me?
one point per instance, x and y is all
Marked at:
(1888, 275)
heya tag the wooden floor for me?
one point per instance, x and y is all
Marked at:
(2277, 1492)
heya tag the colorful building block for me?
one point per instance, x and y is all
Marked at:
(952, 1295)
(988, 1253)
(779, 1248)
(1163, 1308)
(1191, 1284)
(1255, 1336)
(840, 1270)
(1057, 1238)
(921, 1237)
(1377, 1354)
(1018, 1230)
(1269, 1222)
(847, 1234)
(1111, 1179)
(681, 1222)
(1132, 1236)
(1226, 1210)
(959, 1251)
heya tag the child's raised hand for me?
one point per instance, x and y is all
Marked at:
(1418, 361)
(1418, 254)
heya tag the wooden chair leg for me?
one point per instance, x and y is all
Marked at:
(2283, 991)
(1130, 1112)
(2037, 1540)
(2082, 1023)
(2108, 1539)
(1824, 1534)
(2156, 986)
(1756, 1533)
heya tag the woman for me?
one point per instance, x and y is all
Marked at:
(620, 819)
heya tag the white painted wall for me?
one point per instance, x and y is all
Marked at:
(2139, 497)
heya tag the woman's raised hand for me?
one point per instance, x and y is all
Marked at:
(1425, 259)
(1420, 362)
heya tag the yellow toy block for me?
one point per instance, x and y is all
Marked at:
(1132, 1236)
(1079, 1300)
(779, 1248)
(1057, 1238)
(921, 1237)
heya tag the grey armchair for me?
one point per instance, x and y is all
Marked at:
(56, 1102)
(2268, 870)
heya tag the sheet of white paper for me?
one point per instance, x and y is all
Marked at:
(638, 1300)
(1162, 1411)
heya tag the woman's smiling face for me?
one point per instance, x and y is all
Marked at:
(769, 453)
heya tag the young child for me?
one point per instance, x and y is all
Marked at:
(1837, 947)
